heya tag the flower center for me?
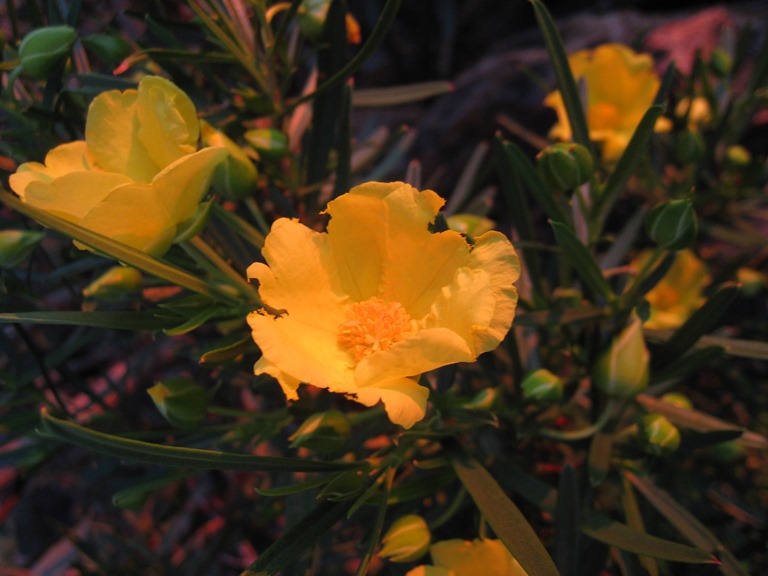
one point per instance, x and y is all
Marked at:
(373, 325)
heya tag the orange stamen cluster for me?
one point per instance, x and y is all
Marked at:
(373, 325)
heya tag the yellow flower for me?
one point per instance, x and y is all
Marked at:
(136, 177)
(698, 112)
(678, 294)
(465, 558)
(620, 86)
(379, 299)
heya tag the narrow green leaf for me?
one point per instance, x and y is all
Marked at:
(565, 81)
(625, 167)
(700, 322)
(522, 167)
(194, 322)
(114, 320)
(344, 148)
(502, 515)
(687, 364)
(298, 539)
(614, 533)
(599, 457)
(395, 95)
(118, 250)
(582, 261)
(293, 488)
(161, 455)
(688, 525)
(635, 521)
(228, 352)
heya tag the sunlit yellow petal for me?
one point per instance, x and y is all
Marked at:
(168, 124)
(404, 400)
(288, 384)
(110, 134)
(131, 214)
(182, 184)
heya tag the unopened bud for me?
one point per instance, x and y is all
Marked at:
(16, 245)
(108, 47)
(483, 400)
(325, 432)
(658, 435)
(115, 284)
(564, 166)
(737, 156)
(407, 539)
(236, 176)
(622, 370)
(542, 387)
(181, 400)
(689, 147)
(44, 49)
(672, 224)
(268, 142)
(677, 399)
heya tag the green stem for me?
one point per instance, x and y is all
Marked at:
(574, 435)
(196, 246)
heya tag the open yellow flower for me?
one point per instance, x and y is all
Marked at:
(379, 299)
(678, 294)
(136, 177)
(620, 86)
(465, 558)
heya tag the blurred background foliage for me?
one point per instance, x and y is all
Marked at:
(448, 96)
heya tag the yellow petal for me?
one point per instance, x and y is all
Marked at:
(131, 214)
(168, 124)
(404, 400)
(298, 276)
(429, 571)
(181, 185)
(289, 384)
(70, 157)
(73, 195)
(302, 351)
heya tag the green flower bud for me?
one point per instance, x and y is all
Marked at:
(108, 47)
(689, 147)
(115, 284)
(483, 400)
(658, 435)
(181, 400)
(16, 245)
(268, 142)
(564, 166)
(236, 176)
(44, 49)
(311, 16)
(542, 387)
(622, 371)
(721, 62)
(737, 156)
(677, 399)
(407, 539)
(343, 486)
(325, 432)
(672, 224)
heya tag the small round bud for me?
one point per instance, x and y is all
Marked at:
(114, 285)
(236, 176)
(181, 400)
(721, 62)
(110, 48)
(44, 49)
(407, 539)
(672, 224)
(16, 245)
(564, 166)
(483, 400)
(325, 432)
(542, 387)
(268, 142)
(689, 147)
(658, 435)
(737, 156)
(677, 399)
(622, 370)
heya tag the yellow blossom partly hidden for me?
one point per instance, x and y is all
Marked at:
(620, 86)
(137, 176)
(697, 112)
(465, 558)
(679, 293)
(379, 299)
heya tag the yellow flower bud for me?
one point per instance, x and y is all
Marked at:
(622, 370)
(325, 432)
(115, 284)
(406, 540)
(268, 141)
(16, 245)
(658, 435)
(44, 49)
(483, 400)
(677, 399)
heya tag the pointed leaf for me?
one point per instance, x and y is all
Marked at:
(582, 261)
(114, 320)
